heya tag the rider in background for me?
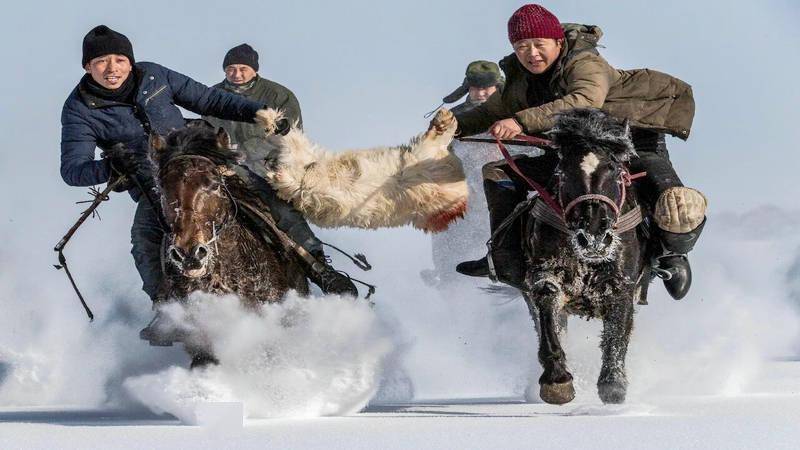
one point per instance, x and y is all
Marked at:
(242, 79)
(556, 67)
(466, 236)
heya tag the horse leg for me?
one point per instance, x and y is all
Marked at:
(612, 384)
(555, 384)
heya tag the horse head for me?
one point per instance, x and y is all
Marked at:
(197, 206)
(592, 176)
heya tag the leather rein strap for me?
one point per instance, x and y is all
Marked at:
(552, 213)
(543, 194)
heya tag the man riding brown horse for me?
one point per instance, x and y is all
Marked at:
(556, 67)
(120, 101)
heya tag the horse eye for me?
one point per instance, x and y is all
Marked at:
(211, 184)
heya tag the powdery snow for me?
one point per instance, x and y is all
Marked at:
(767, 416)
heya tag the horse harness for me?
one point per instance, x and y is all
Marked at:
(255, 214)
(553, 212)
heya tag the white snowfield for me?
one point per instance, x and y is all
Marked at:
(720, 369)
(768, 419)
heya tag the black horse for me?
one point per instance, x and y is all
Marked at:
(586, 253)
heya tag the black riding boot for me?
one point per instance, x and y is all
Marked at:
(673, 264)
(291, 221)
(329, 280)
(161, 331)
(507, 255)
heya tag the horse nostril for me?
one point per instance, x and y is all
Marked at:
(608, 239)
(176, 254)
(580, 236)
(201, 252)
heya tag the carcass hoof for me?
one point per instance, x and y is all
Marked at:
(612, 391)
(557, 393)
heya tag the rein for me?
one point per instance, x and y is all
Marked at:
(543, 194)
(555, 213)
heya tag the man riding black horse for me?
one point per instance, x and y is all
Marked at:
(120, 101)
(556, 67)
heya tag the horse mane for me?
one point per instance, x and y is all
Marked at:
(595, 129)
(199, 138)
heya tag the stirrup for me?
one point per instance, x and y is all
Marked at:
(661, 273)
(664, 274)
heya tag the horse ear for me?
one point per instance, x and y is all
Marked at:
(157, 142)
(157, 146)
(223, 139)
(627, 125)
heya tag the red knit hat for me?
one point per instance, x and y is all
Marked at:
(533, 21)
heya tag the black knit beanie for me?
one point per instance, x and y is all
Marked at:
(105, 41)
(241, 54)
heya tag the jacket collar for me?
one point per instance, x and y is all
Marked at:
(94, 102)
(240, 89)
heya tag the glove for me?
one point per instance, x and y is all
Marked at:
(122, 162)
(121, 159)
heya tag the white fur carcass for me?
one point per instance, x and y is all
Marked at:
(421, 183)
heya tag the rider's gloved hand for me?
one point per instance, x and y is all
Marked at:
(121, 158)
(123, 162)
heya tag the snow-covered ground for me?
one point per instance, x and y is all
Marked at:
(422, 369)
(766, 416)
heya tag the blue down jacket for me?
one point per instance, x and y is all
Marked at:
(88, 122)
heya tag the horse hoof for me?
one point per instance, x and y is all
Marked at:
(612, 392)
(557, 393)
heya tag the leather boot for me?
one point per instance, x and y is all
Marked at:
(330, 280)
(673, 264)
(507, 254)
(161, 331)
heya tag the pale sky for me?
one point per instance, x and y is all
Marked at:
(365, 72)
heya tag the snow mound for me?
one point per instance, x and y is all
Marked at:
(305, 357)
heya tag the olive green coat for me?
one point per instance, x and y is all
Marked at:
(582, 78)
(249, 137)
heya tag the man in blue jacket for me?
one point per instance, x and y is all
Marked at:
(119, 101)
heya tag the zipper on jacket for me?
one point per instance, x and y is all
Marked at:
(158, 91)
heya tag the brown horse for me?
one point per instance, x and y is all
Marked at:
(212, 244)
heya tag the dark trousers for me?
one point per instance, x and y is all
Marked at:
(146, 240)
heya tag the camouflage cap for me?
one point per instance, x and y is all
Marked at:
(480, 74)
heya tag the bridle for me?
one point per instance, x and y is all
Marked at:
(229, 218)
(624, 181)
(554, 213)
